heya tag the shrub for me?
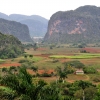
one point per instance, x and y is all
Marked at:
(25, 56)
(30, 56)
(96, 79)
(70, 71)
(54, 61)
(23, 60)
(83, 51)
(89, 70)
(75, 63)
(46, 75)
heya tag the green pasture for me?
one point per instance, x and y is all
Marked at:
(1, 61)
(77, 56)
(35, 58)
(47, 64)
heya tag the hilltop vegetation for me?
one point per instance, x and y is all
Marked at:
(10, 47)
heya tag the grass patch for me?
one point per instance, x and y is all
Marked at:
(35, 58)
(77, 77)
(47, 64)
(1, 61)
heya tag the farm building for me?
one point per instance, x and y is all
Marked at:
(79, 72)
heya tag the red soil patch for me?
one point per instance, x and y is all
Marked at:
(92, 50)
(30, 71)
(8, 65)
(40, 71)
(45, 71)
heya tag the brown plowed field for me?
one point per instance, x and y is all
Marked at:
(8, 65)
(40, 71)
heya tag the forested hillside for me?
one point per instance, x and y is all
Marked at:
(10, 46)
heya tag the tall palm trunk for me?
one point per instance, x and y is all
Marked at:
(83, 95)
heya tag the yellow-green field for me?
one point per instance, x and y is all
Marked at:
(77, 56)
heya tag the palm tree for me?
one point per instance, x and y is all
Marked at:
(62, 73)
(51, 92)
(83, 85)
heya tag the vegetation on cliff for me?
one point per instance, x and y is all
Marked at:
(77, 25)
(10, 47)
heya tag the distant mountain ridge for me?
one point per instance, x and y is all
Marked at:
(37, 25)
(16, 29)
(79, 25)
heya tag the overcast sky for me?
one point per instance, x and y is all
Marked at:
(44, 8)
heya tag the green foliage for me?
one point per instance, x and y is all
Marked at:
(96, 78)
(23, 60)
(75, 63)
(50, 92)
(6, 93)
(46, 75)
(35, 46)
(62, 73)
(90, 93)
(55, 60)
(35, 69)
(27, 46)
(4, 69)
(10, 47)
(23, 85)
(80, 46)
(13, 69)
(83, 84)
(30, 56)
(97, 96)
(25, 56)
(83, 51)
(90, 70)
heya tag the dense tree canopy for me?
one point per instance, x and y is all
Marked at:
(10, 47)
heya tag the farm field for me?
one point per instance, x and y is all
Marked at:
(47, 59)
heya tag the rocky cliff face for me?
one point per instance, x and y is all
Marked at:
(82, 24)
(17, 29)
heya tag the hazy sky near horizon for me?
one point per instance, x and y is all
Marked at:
(44, 8)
